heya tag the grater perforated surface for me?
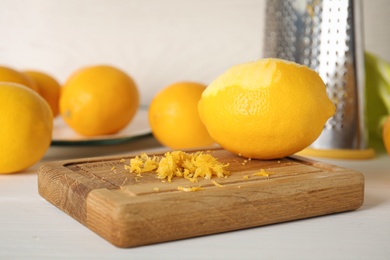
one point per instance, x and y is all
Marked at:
(321, 35)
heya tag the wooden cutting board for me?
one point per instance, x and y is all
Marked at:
(131, 211)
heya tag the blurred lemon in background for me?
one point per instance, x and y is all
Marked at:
(11, 75)
(377, 94)
(26, 125)
(99, 100)
(48, 88)
(386, 134)
(174, 118)
(266, 109)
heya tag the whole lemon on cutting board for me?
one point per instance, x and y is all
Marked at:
(26, 125)
(266, 109)
(99, 100)
(48, 88)
(8, 74)
(174, 119)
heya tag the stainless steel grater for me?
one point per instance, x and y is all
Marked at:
(325, 35)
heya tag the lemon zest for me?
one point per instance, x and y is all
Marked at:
(262, 172)
(188, 189)
(190, 166)
(217, 184)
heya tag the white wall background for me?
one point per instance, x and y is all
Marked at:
(158, 42)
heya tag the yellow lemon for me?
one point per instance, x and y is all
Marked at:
(99, 100)
(26, 125)
(174, 118)
(48, 88)
(266, 109)
(386, 134)
(10, 75)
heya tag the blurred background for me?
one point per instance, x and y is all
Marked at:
(156, 42)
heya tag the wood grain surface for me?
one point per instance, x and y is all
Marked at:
(131, 211)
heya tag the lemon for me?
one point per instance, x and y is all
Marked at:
(48, 88)
(26, 127)
(375, 99)
(99, 100)
(174, 118)
(377, 96)
(386, 134)
(266, 109)
(8, 74)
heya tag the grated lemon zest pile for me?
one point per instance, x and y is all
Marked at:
(190, 166)
(187, 189)
(262, 172)
(143, 163)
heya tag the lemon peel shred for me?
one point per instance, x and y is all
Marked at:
(143, 163)
(262, 172)
(190, 166)
(188, 189)
(217, 184)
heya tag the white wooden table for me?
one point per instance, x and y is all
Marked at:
(32, 228)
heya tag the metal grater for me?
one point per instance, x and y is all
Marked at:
(326, 36)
